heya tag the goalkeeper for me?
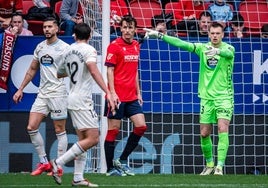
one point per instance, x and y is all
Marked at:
(215, 90)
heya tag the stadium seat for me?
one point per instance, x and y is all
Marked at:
(57, 7)
(143, 11)
(36, 26)
(57, 12)
(26, 6)
(169, 7)
(255, 15)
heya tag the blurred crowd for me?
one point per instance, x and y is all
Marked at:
(187, 18)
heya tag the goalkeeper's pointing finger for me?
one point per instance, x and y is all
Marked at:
(147, 29)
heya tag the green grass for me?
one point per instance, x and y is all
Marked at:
(15, 180)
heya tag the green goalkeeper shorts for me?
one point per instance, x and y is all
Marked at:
(212, 110)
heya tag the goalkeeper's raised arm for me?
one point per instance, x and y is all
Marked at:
(174, 41)
(210, 49)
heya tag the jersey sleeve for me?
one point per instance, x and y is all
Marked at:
(91, 56)
(200, 48)
(227, 51)
(111, 57)
(36, 51)
(61, 69)
(177, 42)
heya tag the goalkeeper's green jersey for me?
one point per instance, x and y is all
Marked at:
(215, 73)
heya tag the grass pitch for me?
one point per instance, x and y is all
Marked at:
(15, 180)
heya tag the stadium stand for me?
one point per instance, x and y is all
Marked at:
(143, 11)
(255, 14)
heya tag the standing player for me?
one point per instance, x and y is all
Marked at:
(123, 82)
(215, 89)
(80, 64)
(51, 96)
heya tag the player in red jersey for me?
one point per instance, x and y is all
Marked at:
(123, 81)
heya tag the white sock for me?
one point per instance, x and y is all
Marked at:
(39, 146)
(62, 143)
(79, 167)
(70, 154)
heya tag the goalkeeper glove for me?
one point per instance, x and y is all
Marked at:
(212, 51)
(150, 33)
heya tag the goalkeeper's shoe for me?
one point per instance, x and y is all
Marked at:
(115, 172)
(56, 172)
(124, 167)
(207, 171)
(218, 171)
(41, 168)
(84, 183)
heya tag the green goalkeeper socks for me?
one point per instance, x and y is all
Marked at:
(206, 146)
(223, 146)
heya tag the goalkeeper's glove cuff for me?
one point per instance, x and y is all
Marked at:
(218, 51)
(160, 35)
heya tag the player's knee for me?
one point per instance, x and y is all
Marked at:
(59, 127)
(111, 135)
(140, 130)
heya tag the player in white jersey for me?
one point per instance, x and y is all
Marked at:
(52, 93)
(80, 64)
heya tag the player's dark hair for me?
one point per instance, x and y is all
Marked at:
(157, 19)
(205, 13)
(82, 31)
(215, 25)
(53, 19)
(128, 19)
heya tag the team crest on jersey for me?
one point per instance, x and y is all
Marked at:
(46, 60)
(212, 62)
(109, 56)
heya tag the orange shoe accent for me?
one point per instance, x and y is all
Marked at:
(41, 168)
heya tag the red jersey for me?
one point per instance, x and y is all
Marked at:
(125, 58)
(7, 7)
(186, 8)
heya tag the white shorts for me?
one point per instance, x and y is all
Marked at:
(84, 119)
(56, 106)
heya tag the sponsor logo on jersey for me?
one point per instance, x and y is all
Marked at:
(131, 58)
(46, 60)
